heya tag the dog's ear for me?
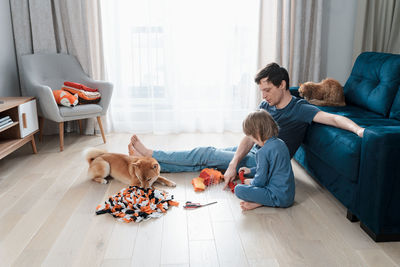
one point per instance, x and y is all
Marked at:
(132, 167)
(136, 163)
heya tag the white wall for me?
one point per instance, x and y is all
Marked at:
(9, 84)
(337, 38)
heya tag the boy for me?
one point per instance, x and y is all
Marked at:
(273, 184)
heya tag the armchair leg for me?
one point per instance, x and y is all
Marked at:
(61, 127)
(80, 126)
(41, 122)
(101, 129)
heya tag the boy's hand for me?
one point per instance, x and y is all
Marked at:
(245, 169)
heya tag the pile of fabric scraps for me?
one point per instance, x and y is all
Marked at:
(134, 204)
(86, 95)
(206, 178)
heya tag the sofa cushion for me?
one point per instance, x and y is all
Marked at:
(361, 116)
(350, 111)
(374, 81)
(79, 110)
(395, 110)
(338, 148)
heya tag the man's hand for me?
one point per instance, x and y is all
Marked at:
(229, 175)
(360, 132)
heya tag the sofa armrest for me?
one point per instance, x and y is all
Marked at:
(378, 196)
(105, 89)
(294, 90)
(47, 104)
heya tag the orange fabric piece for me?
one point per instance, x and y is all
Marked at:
(80, 86)
(198, 184)
(173, 203)
(160, 206)
(83, 94)
(65, 98)
(211, 176)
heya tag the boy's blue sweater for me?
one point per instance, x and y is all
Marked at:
(274, 172)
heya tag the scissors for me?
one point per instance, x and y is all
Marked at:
(191, 205)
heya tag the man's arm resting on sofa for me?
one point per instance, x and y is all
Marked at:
(339, 122)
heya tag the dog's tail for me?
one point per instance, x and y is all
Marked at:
(92, 153)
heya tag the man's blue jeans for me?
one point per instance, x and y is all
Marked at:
(200, 158)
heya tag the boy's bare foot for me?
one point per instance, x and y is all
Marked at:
(249, 205)
(140, 148)
(247, 181)
(133, 152)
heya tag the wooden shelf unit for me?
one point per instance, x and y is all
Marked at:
(22, 111)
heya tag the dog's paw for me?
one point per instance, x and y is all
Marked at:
(104, 181)
(172, 184)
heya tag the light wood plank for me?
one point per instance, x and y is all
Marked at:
(98, 238)
(174, 246)
(376, 257)
(116, 262)
(63, 253)
(228, 244)
(60, 228)
(16, 240)
(147, 250)
(203, 253)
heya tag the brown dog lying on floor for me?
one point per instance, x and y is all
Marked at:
(135, 171)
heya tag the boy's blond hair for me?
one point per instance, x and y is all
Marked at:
(260, 125)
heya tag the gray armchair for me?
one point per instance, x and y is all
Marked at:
(42, 73)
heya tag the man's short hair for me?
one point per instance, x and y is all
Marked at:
(274, 74)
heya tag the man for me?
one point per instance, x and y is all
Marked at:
(292, 114)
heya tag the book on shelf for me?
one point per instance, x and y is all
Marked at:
(5, 118)
(6, 124)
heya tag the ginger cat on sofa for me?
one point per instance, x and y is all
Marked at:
(329, 92)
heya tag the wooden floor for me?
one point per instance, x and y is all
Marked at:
(47, 217)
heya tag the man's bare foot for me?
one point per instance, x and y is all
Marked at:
(249, 205)
(133, 152)
(140, 148)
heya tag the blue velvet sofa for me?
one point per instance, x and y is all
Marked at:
(363, 173)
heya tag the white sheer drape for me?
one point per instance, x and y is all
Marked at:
(181, 65)
(59, 26)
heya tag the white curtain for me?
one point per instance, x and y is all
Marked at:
(59, 26)
(181, 65)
